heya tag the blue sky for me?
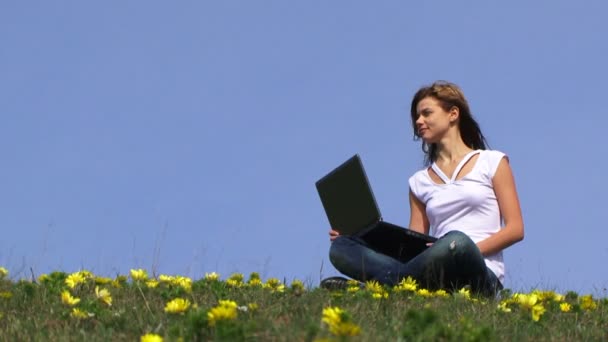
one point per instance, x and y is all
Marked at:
(186, 137)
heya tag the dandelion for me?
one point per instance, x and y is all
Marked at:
(376, 289)
(380, 295)
(102, 280)
(119, 281)
(75, 279)
(441, 293)
(66, 298)
(151, 283)
(103, 295)
(3, 272)
(43, 278)
(408, 284)
(177, 306)
(463, 293)
(79, 314)
(274, 285)
(183, 282)
(587, 303)
(339, 322)
(297, 286)
(238, 277)
(151, 338)
(139, 274)
(503, 306)
(165, 278)
(424, 293)
(565, 307)
(254, 279)
(224, 311)
(235, 280)
(212, 276)
(531, 303)
(537, 311)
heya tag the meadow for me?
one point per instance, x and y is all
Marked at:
(81, 306)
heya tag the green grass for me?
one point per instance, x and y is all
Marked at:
(271, 311)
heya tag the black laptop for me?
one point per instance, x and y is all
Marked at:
(352, 210)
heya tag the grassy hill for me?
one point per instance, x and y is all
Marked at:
(84, 307)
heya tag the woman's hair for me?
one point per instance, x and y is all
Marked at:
(448, 95)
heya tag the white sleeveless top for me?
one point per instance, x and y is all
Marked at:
(468, 204)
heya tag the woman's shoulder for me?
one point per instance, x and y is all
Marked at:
(492, 159)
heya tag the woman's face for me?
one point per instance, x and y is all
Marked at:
(433, 122)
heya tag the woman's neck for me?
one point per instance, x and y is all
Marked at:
(451, 149)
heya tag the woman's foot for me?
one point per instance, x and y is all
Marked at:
(334, 283)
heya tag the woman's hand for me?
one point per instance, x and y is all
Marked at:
(333, 234)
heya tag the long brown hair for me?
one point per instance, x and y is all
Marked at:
(449, 95)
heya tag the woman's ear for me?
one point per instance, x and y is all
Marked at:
(454, 114)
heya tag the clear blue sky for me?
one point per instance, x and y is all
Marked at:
(186, 137)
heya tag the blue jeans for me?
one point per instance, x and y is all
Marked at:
(452, 262)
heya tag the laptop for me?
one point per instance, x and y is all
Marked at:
(352, 210)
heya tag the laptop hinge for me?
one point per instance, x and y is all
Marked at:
(369, 227)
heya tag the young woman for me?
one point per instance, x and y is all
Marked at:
(465, 196)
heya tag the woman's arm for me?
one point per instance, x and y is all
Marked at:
(418, 220)
(508, 202)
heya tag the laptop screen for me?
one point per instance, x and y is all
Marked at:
(348, 199)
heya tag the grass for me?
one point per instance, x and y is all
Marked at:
(83, 307)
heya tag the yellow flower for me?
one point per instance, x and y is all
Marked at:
(3, 272)
(6, 295)
(380, 295)
(151, 338)
(177, 306)
(332, 315)
(77, 313)
(338, 322)
(565, 307)
(463, 293)
(227, 303)
(503, 306)
(526, 301)
(531, 303)
(254, 282)
(233, 283)
(67, 298)
(537, 311)
(74, 279)
(238, 277)
(103, 280)
(297, 285)
(441, 293)
(252, 306)
(183, 282)
(424, 293)
(274, 285)
(119, 281)
(212, 276)
(165, 278)
(151, 283)
(587, 303)
(407, 284)
(373, 286)
(139, 274)
(43, 278)
(103, 295)
(225, 310)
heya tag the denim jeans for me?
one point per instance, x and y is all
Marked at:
(452, 262)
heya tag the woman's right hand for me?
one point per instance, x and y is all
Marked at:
(333, 234)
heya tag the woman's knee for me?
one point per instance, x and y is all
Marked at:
(457, 240)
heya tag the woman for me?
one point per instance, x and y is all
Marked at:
(465, 196)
